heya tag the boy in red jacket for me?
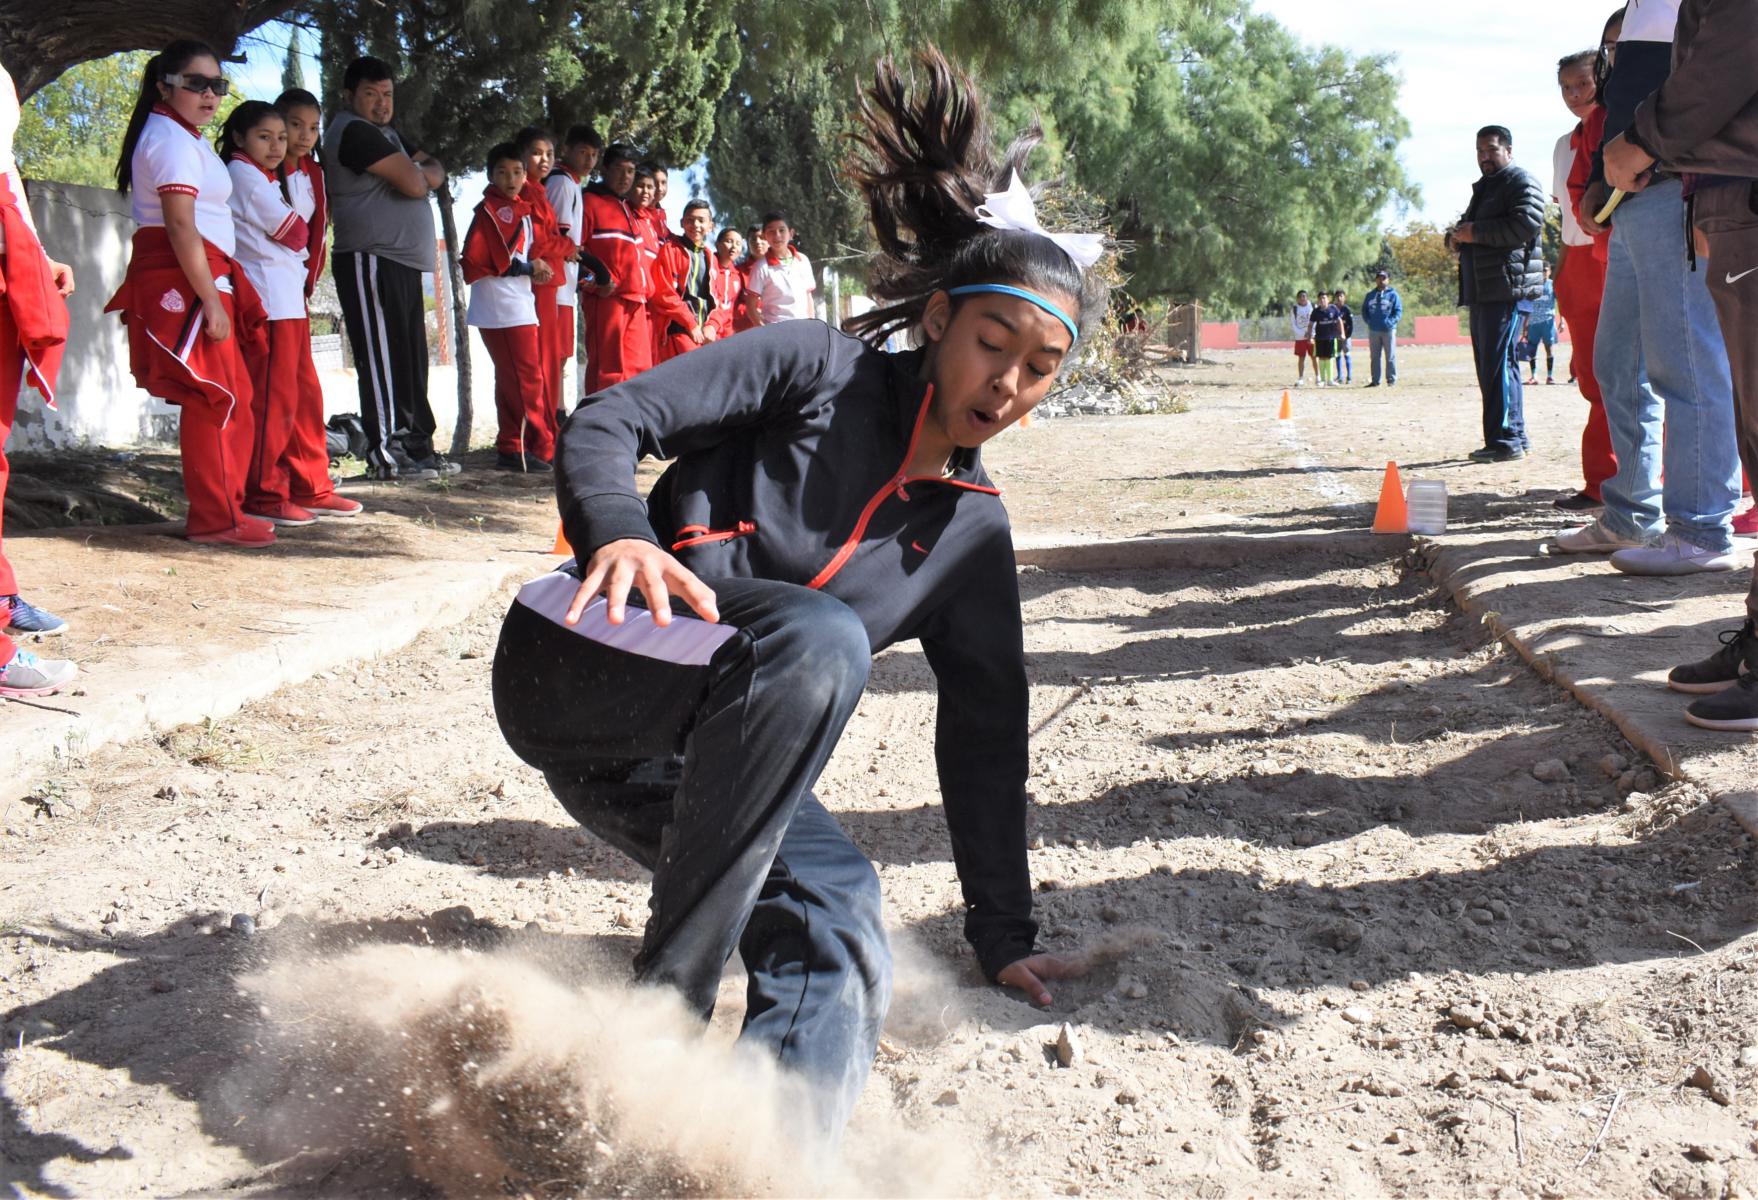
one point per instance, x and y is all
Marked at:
(503, 271)
(687, 265)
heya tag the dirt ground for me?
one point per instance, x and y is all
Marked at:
(1377, 911)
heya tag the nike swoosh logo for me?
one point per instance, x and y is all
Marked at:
(1732, 278)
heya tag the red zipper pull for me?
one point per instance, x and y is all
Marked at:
(747, 527)
(902, 491)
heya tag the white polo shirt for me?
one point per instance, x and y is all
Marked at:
(784, 289)
(570, 213)
(1562, 159)
(172, 156)
(261, 215)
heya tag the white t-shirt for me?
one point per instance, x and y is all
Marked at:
(172, 157)
(505, 301)
(260, 215)
(570, 214)
(8, 164)
(1563, 158)
(784, 289)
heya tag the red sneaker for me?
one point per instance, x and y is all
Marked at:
(246, 535)
(283, 513)
(1746, 523)
(332, 505)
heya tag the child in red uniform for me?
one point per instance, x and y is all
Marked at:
(504, 273)
(726, 283)
(686, 264)
(33, 330)
(579, 157)
(186, 305)
(756, 250)
(308, 452)
(556, 248)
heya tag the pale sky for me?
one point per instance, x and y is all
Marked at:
(1495, 65)
(1492, 62)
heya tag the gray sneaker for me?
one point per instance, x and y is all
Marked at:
(1593, 538)
(1673, 555)
(27, 675)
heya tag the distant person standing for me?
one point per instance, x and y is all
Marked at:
(1301, 320)
(1381, 308)
(380, 186)
(1541, 330)
(1346, 367)
(1499, 266)
(1327, 331)
(781, 283)
(1580, 278)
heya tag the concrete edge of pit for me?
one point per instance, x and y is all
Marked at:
(391, 616)
(1445, 566)
(1203, 550)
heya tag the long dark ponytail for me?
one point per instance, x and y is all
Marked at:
(925, 161)
(169, 61)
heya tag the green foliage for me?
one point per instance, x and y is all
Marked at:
(70, 130)
(1423, 270)
(292, 68)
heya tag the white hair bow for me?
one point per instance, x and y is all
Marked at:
(1014, 209)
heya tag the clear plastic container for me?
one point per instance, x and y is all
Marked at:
(1426, 500)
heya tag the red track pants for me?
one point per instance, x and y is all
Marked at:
(619, 342)
(519, 398)
(1579, 290)
(11, 370)
(291, 461)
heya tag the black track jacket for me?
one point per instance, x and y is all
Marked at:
(792, 445)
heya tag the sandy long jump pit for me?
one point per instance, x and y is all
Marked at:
(1372, 910)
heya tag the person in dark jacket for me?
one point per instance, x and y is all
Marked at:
(1345, 369)
(827, 500)
(1499, 266)
(1704, 120)
(1658, 352)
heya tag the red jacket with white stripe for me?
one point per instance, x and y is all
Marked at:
(792, 445)
(612, 232)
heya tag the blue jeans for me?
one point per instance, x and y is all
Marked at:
(1494, 330)
(703, 775)
(1383, 342)
(1662, 366)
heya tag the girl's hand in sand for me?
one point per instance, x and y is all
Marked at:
(1029, 974)
(617, 566)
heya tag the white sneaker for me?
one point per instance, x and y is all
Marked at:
(1300, 382)
(27, 675)
(1593, 538)
(1673, 555)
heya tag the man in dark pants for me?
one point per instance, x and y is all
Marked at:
(1703, 122)
(1499, 266)
(379, 186)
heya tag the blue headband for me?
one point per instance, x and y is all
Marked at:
(1004, 290)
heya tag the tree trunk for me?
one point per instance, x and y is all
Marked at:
(455, 273)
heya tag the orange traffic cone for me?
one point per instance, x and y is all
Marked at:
(1287, 408)
(1391, 516)
(561, 541)
(1025, 421)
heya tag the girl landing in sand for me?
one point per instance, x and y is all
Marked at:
(827, 500)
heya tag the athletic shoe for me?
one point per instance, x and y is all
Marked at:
(1375, 383)
(1593, 538)
(1746, 524)
(26, 675)
(333, 505)
(521, 462)
(1495, 454)
(1579, 502)
(1673, 555)
(1720, 670)
(1300, 383)
(247, 535)
(28, 618)
(1549, 382)
(439, 464)
(283, 513)
(1733, 710)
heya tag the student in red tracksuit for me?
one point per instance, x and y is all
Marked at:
(619, 339)
(504, 275)
(580, 151)
(556, 249)
(186, 305)
(756, 250)
(726, 283)
(307, 459)
(33, 331)
(644, 199)
(686, 263)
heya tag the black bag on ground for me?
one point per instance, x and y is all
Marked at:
(346, 436)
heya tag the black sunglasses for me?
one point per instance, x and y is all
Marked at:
(219, 85)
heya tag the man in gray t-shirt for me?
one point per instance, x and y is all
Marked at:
(379, 185)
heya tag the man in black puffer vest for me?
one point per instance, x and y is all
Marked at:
(1499, 266)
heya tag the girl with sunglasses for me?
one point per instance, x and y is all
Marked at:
(187, 306)
(827, 500)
